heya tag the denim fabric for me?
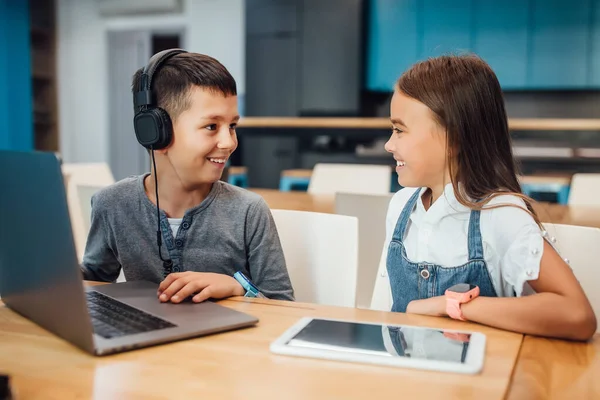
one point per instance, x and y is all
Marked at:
(411, 281)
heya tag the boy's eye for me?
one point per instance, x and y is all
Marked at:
(212, 127)
(397, 130)
(232, 126)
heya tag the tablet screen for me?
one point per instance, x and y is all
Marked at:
(383, 340)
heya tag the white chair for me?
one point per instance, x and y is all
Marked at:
(95, 174)
(77, 174)
(382, 292)
(581, 246)
(84, 196)
(585, 190)
(350, 178)
(82, 181)
(371, 211)
(321, 253)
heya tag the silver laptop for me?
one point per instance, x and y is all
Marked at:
(40, 277)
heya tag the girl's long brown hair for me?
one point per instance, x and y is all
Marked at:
(465, 97)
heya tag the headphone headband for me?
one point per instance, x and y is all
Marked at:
(144, 97)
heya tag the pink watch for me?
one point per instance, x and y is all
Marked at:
(457, 295)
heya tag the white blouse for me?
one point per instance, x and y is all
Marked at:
(512, 241)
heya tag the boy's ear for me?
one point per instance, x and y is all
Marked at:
(159, 151)
(163, 151)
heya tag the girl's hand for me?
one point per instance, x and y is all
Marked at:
(434, 306)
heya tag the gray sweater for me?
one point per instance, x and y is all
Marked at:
(231, 230)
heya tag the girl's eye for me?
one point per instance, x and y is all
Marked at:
(233, 126)
(212, 127)
(397, 130)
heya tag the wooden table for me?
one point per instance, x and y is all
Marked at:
(297, 200)
(523, 124)
(325, 203)
(238, 364)
(557, 369)
(569, 215)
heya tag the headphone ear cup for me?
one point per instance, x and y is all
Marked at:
(153, 128)
(166, 131)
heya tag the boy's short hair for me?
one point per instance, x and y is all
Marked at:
(172, 82)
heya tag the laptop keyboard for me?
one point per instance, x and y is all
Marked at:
(112, 319)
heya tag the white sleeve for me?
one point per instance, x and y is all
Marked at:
(521, 263)
(517, 241)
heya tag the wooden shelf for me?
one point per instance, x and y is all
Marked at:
(40, 32)
(521, 124)
(293, 122)
(554, 124)
(40, 37)
(43, 74)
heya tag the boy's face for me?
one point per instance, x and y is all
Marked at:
(203, 137)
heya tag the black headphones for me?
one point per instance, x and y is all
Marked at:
(153, 129)
(152, 124)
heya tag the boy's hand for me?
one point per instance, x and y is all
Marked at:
(178, 286)
(435, 306)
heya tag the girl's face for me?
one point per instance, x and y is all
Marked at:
(418, 144)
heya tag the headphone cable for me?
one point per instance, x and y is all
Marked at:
(167, 264)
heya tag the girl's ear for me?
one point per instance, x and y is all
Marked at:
(453, 154)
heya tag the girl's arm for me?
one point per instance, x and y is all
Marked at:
(558, 309)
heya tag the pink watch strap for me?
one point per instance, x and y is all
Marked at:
(453, 309)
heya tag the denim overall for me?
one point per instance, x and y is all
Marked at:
(411, 281)
(429, 344)
(398, 340)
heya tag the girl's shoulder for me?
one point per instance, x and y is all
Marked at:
(513, 235)
(507, 208)
(505, 220)
(507, 199)
(399, 200)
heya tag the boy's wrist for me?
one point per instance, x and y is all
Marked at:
(250, 290)
(238, 289)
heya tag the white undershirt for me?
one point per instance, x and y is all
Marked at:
(174, 223)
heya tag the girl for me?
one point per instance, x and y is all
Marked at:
(461, 238)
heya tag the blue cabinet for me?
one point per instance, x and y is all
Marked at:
(560, 44)
(16, 126)
(500, 38)
(594, 71)
(446, 27)
(530, 44)
(393, 41)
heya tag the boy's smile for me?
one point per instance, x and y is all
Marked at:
(218, 161)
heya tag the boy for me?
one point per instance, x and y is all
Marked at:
(209, 229)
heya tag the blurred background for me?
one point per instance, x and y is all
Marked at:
(314, 79)
(66, 66)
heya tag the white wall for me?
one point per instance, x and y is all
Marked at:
(218, 28)
(213, 27)
(82, 82)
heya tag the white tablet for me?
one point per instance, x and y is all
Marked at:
(391, 345)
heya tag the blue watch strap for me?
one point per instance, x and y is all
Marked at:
(251, 290)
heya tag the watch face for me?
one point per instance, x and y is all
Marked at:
(462, 288)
